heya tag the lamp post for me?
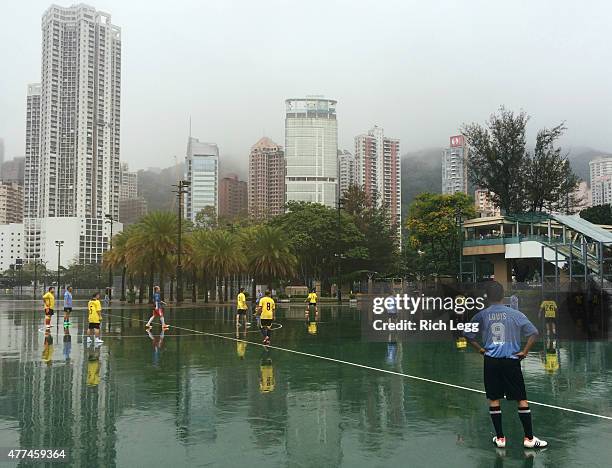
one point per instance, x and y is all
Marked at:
(180, 191)
(459, 223)
(19, 266)
(338, 270)
(109, 219)
(35, 275)
(59, 244)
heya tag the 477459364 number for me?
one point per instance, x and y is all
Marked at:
(58, 455)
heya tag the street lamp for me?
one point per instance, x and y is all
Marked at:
(338, 250)
(180, 191)
(109, 219)
(459, 224)
(59, 244)
(19, 266)
(35, 273)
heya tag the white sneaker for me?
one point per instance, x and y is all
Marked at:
(99, 341)
(500, 442)
(89, 340)
(534, 443)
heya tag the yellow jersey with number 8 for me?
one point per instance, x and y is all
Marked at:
(267, 307)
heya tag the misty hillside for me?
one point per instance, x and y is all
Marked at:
(421, 172)
(579, 158)
(156, 187)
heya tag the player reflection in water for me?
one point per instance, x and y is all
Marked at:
(267, 383)
(241, 345)
(157, 342)
(67, 344)
(312, 327)
(93, 367)
(551, 357)
(47, 354)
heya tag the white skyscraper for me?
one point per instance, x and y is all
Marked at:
(601, 180)
(73, 177)
(202, 171)
(454, 167)
(311, 150)
(32, 152)
(347, 171)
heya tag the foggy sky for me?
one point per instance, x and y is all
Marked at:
(418, 69)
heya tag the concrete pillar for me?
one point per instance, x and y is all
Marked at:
(502, 270)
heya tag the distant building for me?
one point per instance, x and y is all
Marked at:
(311, 150)
(13, 170)
(583, 197)
(11, 202)
(266, 190)
(11, 245)
(32, 152)
(233, 197)
(378, 168)
(601, 180)
(454, 167)
(347, 171)
(128, 185)
(202, 171)
(131, 210)
(484, 204)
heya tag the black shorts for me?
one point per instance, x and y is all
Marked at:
(241, 311)
(68, 309)
(265, 323)
(93, 326)
(550, 319)
(503, 378)
(49, 312)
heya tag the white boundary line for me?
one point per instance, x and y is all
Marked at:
(386, 371)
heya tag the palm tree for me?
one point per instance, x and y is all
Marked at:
(221, 253)
(268, 254)
(117, 256)
(151, 246)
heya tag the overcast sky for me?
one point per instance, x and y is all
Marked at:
(417, 68)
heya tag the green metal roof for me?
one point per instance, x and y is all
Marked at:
(576, 223)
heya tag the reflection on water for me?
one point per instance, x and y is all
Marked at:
(181, 399)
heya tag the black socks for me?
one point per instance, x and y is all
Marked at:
(525, 417)
(496, 417)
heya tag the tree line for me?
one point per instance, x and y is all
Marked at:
(310, 242)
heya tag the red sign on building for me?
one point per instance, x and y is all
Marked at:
(456, 140)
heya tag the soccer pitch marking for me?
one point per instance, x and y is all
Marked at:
(384, 371)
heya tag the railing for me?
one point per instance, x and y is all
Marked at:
(490, 241)
(512, 240)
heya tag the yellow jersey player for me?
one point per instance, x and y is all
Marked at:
(49, 304)
(312, 311)
(241, 307)
(94, 317)
(549, 309)
(265, 309)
